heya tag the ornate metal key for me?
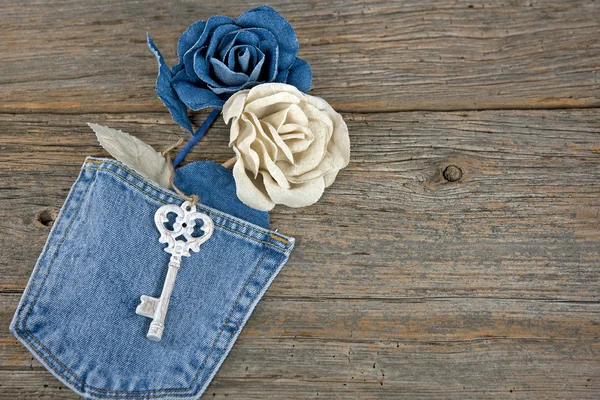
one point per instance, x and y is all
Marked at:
(179, 242)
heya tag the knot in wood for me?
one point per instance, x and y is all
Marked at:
(46, 217)
(452, 173)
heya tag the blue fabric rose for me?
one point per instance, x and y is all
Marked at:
(221, 56)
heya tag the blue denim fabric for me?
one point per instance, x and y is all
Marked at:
(215, 186)
(221, 56)
(77, 315)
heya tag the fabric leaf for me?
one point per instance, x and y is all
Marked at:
(166, 92)
(134, 153)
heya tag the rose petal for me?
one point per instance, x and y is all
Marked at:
(282, 76)
(233, 108)
(330, 177)
(250, 191)
(259, 127)
(298, 142)
(296, 134)
(277, 119)
(266, 90)
(211, 24)
(247, 136)
(269, 47)
(189, 37)
(265, 137)
(193, 96)
(312, 157)
(241, 58)
(228, 90)
(322, 169)
(258, 67)
(301, 195)
(268, 164)
(300, 75)
(265, 43)
(339, 145)
(273, 139)
(267, 18)
(216, 37)
(226, 76)
(296, 116)
(296, 131)
(201, 69)
(270, 104)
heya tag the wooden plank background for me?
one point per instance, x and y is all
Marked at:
(456, 257)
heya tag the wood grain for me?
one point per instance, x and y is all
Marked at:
(456, 257)
(73, 57)
(466, 289)
(392, 351)
(522, 222)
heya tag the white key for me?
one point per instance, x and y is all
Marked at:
(185, 222)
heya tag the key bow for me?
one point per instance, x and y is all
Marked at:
(184, 225)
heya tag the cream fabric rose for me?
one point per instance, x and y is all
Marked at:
(289, 146)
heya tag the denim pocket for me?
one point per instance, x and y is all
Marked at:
(77, 315)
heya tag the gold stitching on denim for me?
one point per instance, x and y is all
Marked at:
(223, 327)
(214, 343)
(274, 236)
(240, 322)
(154, 392)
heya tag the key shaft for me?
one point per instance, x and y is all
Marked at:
(158, 322)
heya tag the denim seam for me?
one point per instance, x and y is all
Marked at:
(42, 258)
(150, 394)
(81, 383)
(174, 195)
(216, 224)
(201, 368)
(22, 322)
(58, 246)
(238, 323)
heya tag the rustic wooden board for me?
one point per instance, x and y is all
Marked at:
(466, 289)
(522, 222)
(456, 257)
(487, 349)
(72, 56)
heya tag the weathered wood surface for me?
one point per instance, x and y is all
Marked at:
(406, 282)
(74, 56)
(489, 283)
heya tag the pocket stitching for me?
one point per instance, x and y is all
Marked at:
(148, 182)
(22, 321)
(74, 379)
(216, 224)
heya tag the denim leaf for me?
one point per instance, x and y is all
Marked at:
(166, 92)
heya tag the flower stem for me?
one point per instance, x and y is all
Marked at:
(196, 137)
(229, 163)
